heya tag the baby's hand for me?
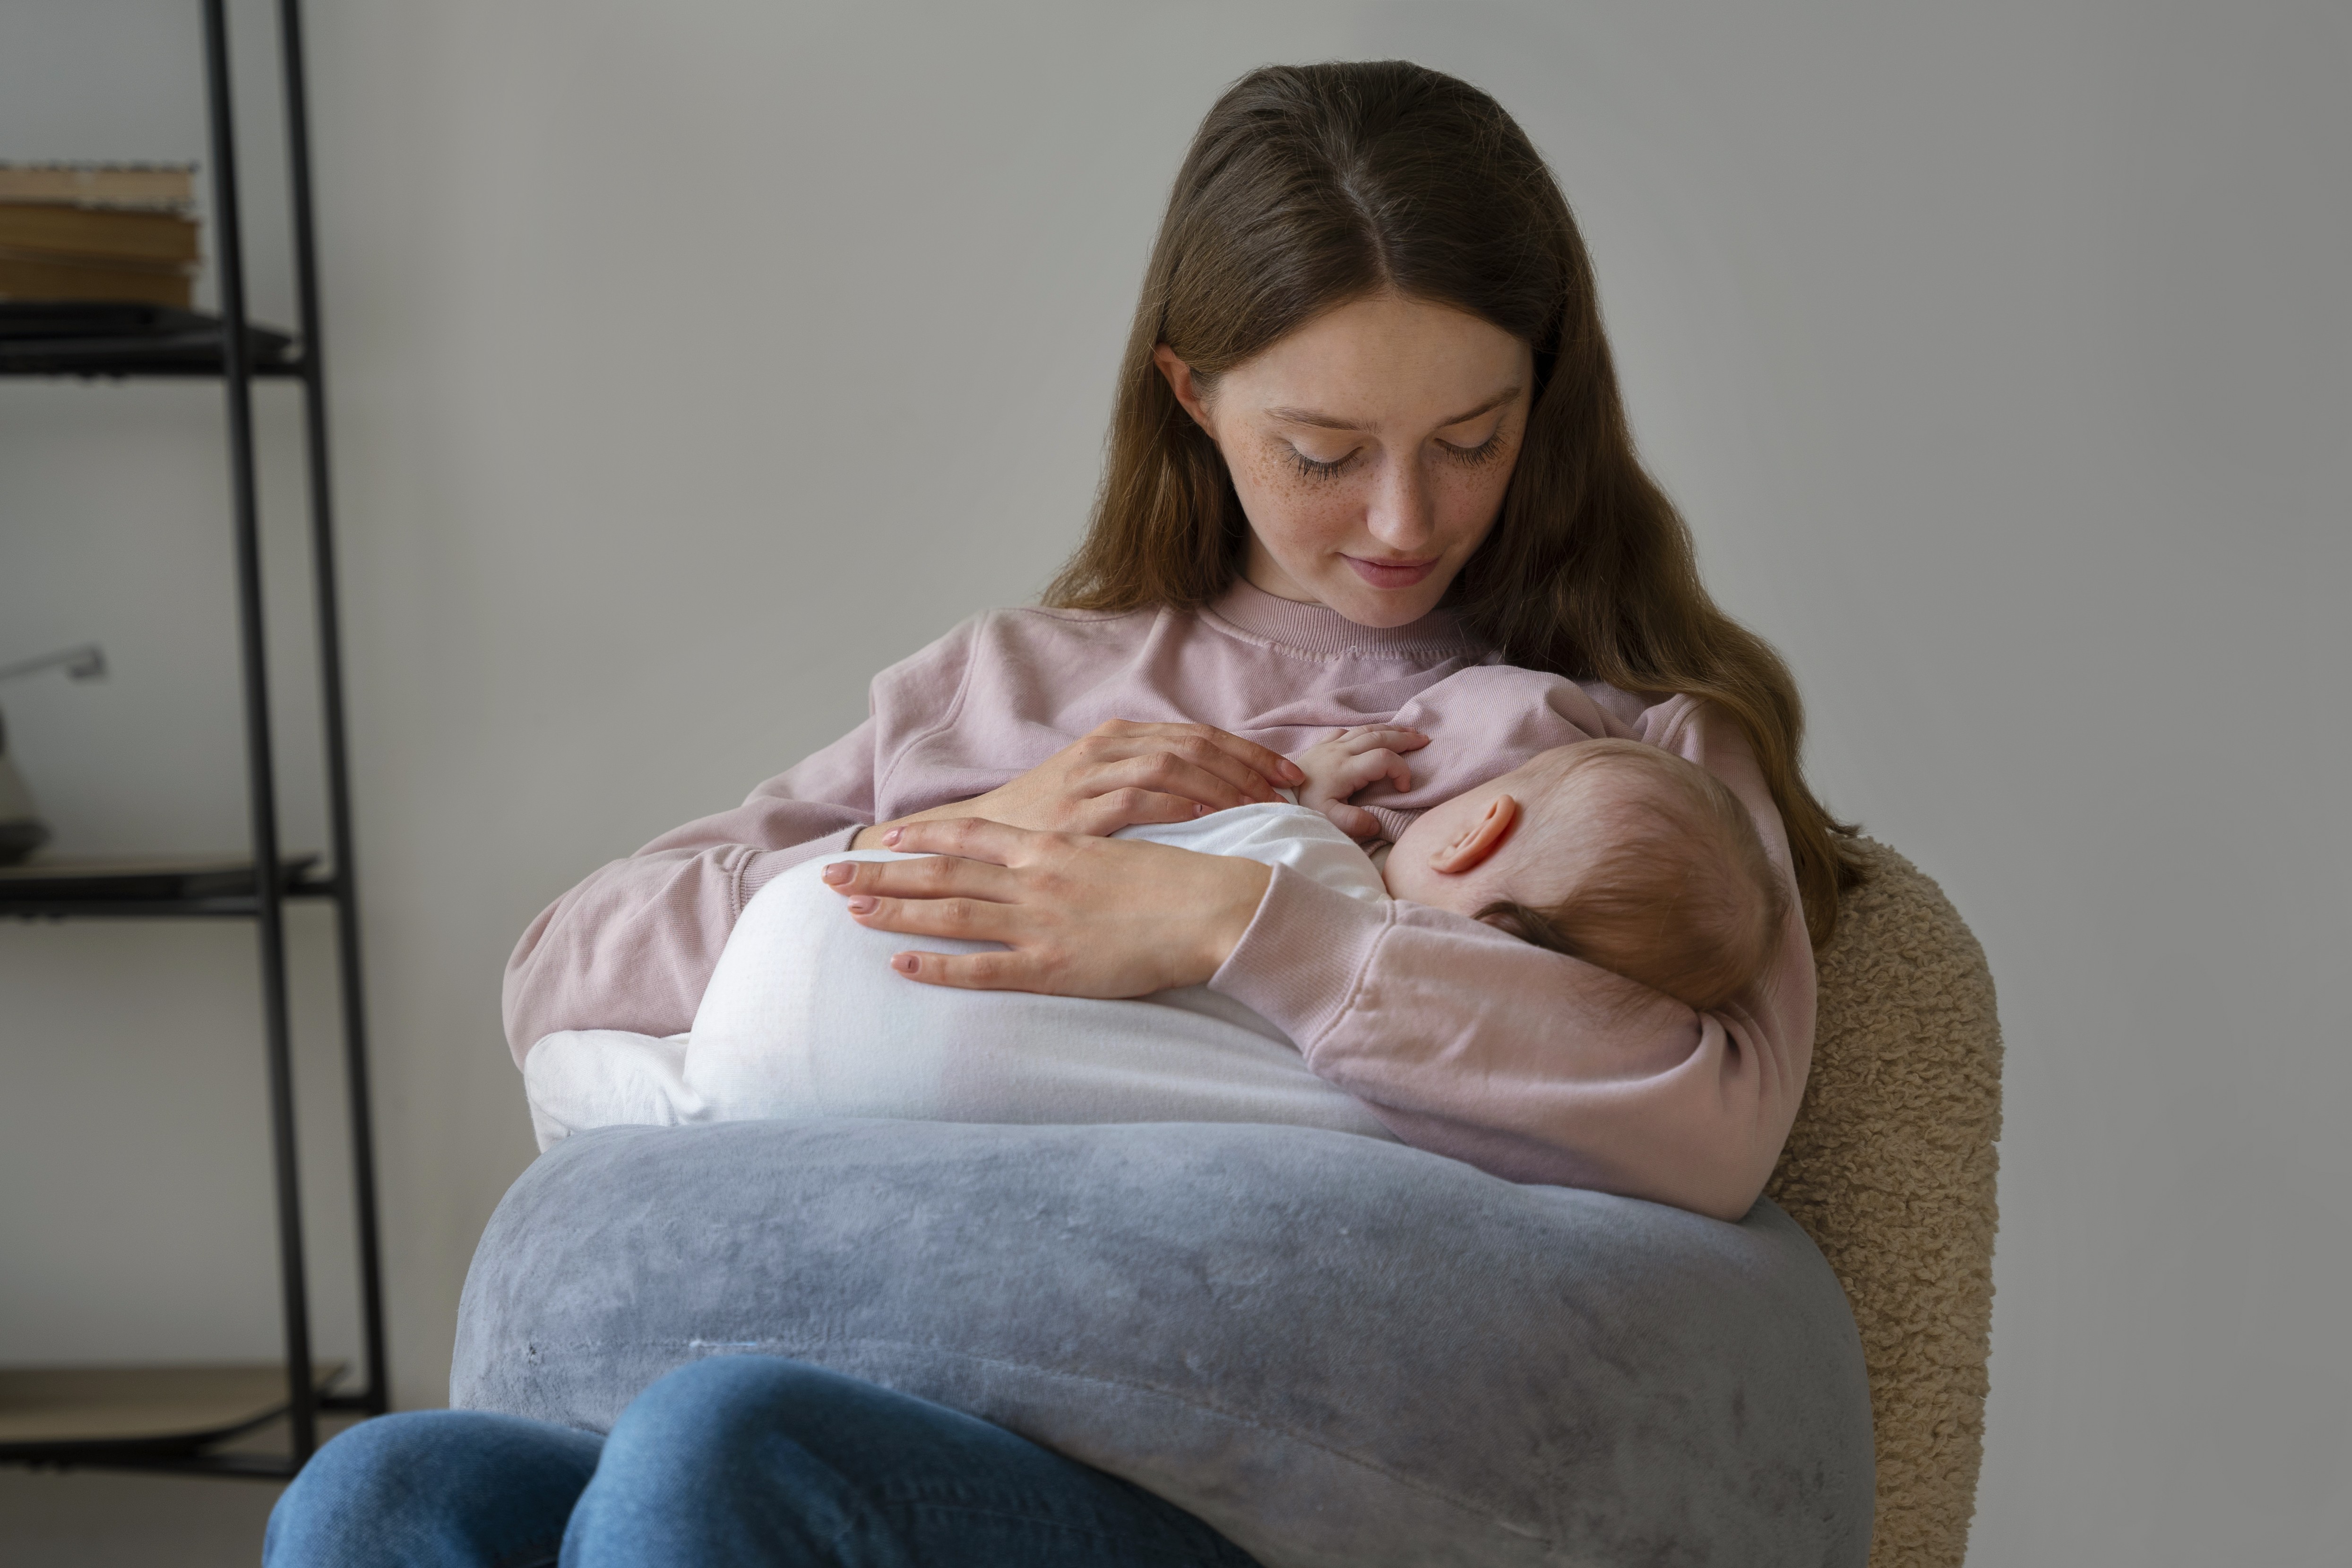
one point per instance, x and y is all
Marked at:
(1350, 761)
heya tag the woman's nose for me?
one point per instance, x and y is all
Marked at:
(1402, 514)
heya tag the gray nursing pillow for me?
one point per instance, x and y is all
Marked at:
(1336, 1351)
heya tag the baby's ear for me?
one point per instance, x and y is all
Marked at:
(1475, 844)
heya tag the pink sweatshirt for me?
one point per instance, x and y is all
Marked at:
(1463, 1039)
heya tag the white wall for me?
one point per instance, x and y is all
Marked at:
(694, 360)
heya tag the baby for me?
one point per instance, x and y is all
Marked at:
(1612, 851)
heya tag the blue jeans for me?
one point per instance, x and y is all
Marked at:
(733, 1462)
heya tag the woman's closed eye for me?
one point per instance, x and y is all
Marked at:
(1485, 451)
(1312, 468)
(1320, 469)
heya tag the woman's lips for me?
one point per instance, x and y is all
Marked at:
(1392, 573)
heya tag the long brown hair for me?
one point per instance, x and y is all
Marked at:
(1309, 187)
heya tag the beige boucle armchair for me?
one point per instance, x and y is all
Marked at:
(1890, 1169)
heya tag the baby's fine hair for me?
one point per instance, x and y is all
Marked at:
(1676, 893)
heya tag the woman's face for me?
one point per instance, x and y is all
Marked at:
(1370, 448)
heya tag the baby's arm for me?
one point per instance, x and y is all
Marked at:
(1353, 760)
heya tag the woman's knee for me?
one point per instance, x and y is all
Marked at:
(694, 1418)
(757, 1460)
(433, 1486)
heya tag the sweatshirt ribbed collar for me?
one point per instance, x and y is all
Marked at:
(1324, 633)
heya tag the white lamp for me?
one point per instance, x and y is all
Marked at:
(22, 831)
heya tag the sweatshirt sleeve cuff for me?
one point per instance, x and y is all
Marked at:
(1297, 964)
(763, 867)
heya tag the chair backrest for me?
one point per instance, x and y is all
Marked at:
(1890, 1169)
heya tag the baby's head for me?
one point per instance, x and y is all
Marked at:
(1612, 851)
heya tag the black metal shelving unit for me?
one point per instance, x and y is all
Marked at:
(82, 1437)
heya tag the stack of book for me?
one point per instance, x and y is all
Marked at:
(96, 231)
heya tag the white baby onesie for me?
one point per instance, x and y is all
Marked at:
(804, 1018)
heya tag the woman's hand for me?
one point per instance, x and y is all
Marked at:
(1081, 916)
(1120, 774)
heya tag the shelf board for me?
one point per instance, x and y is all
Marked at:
(150, 887)
(154, 369)
(64, 1414)
(92, 338)
(199, 362)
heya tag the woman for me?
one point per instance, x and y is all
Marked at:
(1367, 432)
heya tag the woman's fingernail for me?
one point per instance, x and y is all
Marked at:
(840, 871)
(1200, 810)
(1293, 774)
(905, 963)
(892, 836)
(861, 905)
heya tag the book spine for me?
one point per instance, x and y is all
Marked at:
(80, 232)
(31, 277)
(129, 186)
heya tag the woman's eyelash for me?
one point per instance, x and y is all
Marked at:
(1483, 451)
(1471, 456)
(1309, 468)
